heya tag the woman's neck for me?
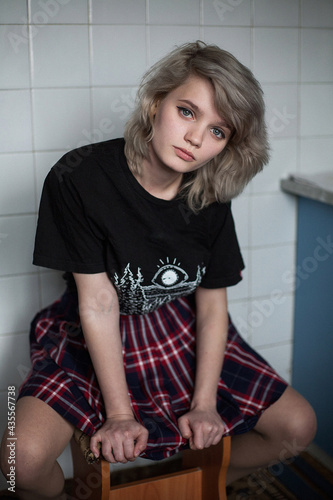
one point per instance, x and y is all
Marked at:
(159, 182)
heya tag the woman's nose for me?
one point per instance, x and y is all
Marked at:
(194, 135)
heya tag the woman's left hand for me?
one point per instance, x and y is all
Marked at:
(202, 427)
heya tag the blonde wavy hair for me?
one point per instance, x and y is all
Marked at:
(238, 99)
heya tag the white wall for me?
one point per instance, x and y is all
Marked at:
(69, 69)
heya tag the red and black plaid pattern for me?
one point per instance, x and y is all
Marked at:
(159, 359)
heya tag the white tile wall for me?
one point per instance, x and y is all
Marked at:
(271, 319)
(17, 347)
(219, 13)
(283, 13)
(276, 51)
(282, 110)
(57, 61)
(18, 191)
(64, 82)
(51, 130)
(19, 302)
(14, 56)
(13, 12)
(58, 11)
(267, 212)
(15, 258)
(316, 110)
(269, 267)
(115, 12)
(317, 14)
(174, 12)
(116, 47)
(316, 54)
(316, 154)
(15, 127)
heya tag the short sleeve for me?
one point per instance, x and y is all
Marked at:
(67, 237)
(225, 263)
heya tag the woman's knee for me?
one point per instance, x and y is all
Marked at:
(302, 426)
(299, 424)
(41, 436)
(31, 460)
(290, 423)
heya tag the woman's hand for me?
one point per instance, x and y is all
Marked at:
(122, 439)
(202, 427)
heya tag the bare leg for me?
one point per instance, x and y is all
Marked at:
(42, 435)
(283, 431)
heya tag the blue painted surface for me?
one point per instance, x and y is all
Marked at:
(313, 332)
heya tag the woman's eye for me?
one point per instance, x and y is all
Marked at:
(185, 112)
(218, 133)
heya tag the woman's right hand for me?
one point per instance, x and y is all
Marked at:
(122, 439)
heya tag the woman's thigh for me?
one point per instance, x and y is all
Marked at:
(41, 435)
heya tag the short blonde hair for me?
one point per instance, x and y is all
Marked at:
(238, 98)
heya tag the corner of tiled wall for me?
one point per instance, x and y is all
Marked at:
(69, 72)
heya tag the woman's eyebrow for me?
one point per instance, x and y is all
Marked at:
(194, 106)
(221, 123)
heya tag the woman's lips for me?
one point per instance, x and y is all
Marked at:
(184, 154)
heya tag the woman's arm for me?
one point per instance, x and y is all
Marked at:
(99, 314)
(202, 425)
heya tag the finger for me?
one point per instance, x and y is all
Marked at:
(209, 440)
(118, 451)
(96, 438)
(217, 439)
(108, 453)
(141, 443)
(213, 435)
(129, 449)
(217, 434)
(198, 441)
(191, 443)
(185, 429)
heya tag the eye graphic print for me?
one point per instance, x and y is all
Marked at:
(169, 276)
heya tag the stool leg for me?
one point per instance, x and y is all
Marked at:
(90, 480)
(214, 462)
(224, 467)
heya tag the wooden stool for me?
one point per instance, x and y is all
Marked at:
(200, 475)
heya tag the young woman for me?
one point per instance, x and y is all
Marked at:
(139, 352)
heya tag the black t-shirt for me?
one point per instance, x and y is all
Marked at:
(94, 216)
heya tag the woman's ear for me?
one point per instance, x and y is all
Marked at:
(153, 110)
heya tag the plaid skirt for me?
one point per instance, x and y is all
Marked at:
(159, 360)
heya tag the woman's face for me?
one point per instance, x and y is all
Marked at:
(188, 131)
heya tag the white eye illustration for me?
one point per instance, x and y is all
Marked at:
(169, 276)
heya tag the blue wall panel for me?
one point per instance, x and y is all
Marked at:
(313, 341)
